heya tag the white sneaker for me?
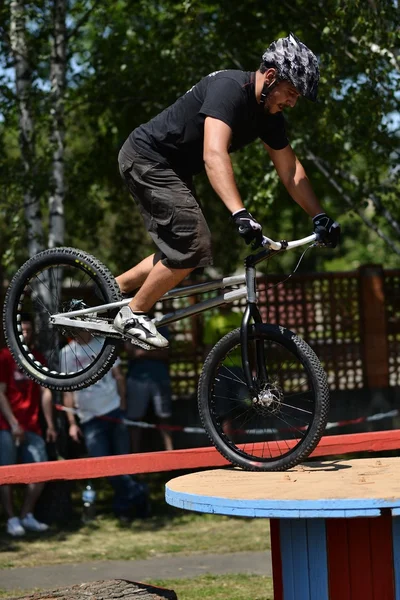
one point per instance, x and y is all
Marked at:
(14, 527)
(140, 327)
(31, 524)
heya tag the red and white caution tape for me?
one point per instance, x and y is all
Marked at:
(142, 424)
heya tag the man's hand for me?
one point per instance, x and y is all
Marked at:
(249, 229)
(75, 433)
(17, 433)
(51, 434)
(327, 229)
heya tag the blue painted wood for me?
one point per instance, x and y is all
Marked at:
(318, 559)
(301, 567)
(288, 581)
(396, 555)
(335, 508)
(304, 559)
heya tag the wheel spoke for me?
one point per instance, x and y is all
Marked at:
(274, 426)
(62, 282)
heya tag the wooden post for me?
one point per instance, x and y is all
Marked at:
(373, 326)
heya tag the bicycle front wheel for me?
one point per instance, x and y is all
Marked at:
(280, 425)
(58, 281)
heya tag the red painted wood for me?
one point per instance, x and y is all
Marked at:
(90, 468)
(338, 560)
(358, 442)
(276, 559)
(360, 558)
(383, 585)
(193, 458)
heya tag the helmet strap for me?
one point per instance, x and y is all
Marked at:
(266, 90)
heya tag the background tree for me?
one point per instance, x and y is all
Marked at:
(126, 60)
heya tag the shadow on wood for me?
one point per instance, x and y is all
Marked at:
(104, 590)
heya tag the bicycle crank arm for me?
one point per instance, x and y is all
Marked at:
(98, 328)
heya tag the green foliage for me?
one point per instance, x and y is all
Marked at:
(129, 59)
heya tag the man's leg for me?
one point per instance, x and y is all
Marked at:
(32, 496)
(127, 491)
(6, 500)
(135, 277)
(162, 402)
(8, 456)
(166, 435)
(177, 226)
(33, 450)
(133, 321)
(160, 280)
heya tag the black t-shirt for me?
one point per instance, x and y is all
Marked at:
(176, 136)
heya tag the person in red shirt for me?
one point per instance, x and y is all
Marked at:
(20, 432)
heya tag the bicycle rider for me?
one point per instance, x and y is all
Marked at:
(223, 112)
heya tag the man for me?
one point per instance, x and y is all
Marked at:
(223, 112)
(20, 431)
(99, 410)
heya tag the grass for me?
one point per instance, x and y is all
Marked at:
(217, 587)
(105, 539)
(168, 531)
(221, 587)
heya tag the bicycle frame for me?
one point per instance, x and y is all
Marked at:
(248, 291)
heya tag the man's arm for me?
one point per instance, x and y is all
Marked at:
(5, 409)
(74, 431)
(295, 180)
(121, 384)
(218, 165)
(47, 407)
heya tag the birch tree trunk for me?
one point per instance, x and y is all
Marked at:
(23, 83)
(57, 80)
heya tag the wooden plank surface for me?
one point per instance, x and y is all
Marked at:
(359, 483)
(192, 458)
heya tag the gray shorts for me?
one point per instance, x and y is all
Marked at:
(140, 394)
(170, 211)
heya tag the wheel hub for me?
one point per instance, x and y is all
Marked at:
(268, 399)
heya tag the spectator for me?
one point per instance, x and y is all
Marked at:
(106, 436)
(20, 431)
(148, 385)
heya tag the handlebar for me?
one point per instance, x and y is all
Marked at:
(283, 245)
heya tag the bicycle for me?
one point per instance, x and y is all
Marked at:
(275, 410)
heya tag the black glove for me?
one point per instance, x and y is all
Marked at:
(248, 227)
(327, 229)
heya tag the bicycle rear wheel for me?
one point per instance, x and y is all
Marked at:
(279, 427)
(58, 281)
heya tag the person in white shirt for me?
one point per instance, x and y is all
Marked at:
(100, 411)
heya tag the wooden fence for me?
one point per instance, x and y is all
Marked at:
(351, 320)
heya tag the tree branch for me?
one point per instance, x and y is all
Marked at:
(348, 200)
(82, 20)
(374, 199)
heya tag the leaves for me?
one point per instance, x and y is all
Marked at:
(129, 59)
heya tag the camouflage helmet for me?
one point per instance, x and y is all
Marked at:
(295, 63)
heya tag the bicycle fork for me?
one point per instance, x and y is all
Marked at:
(252, 312)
